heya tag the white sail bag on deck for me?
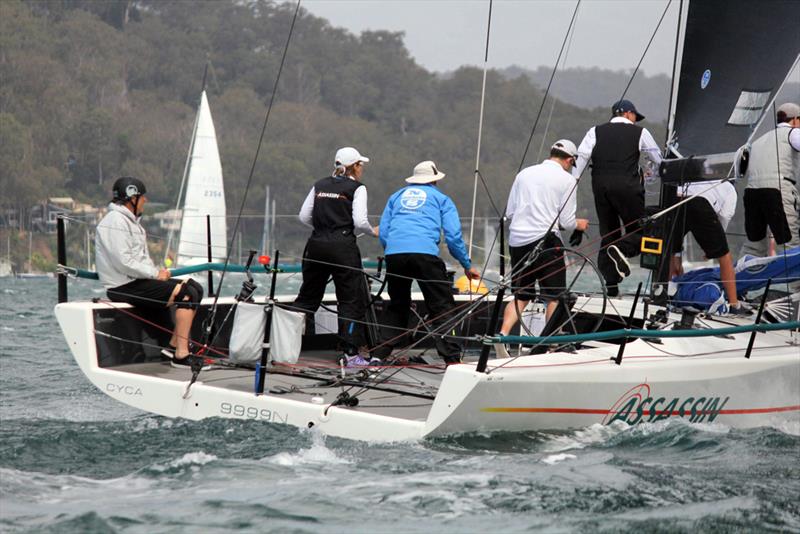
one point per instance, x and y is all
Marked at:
(247, 335)
(286, 335)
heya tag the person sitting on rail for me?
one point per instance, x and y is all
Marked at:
(410, 231)
(129, 275)
(336, 209)
(541, 194)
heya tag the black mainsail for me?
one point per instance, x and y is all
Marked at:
(735, 57)
(736, 54)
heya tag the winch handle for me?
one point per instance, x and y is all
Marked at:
(250, 259)
(250, 262)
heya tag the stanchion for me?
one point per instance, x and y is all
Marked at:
(62, 260)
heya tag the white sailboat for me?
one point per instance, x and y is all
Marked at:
(619, 363)
(202, 197)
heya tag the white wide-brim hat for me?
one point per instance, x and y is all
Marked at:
(424, 173)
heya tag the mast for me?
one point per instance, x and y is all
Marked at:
(676, 59)
(186, 166)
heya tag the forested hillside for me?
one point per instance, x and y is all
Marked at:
(91, 90)
(650, 93)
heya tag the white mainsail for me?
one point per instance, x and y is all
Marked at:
(205, 195)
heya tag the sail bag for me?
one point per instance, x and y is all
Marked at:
(286, 335)
(247, 335)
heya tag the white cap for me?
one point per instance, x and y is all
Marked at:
(566, 146)
(791, 110)
(424, 173)
(348, 156)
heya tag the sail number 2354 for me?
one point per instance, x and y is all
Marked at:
(251, 412)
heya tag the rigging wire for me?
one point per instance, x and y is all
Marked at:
(480, 131)
(553, 100)
(780, 179)
(650, 42)
(549, 83)
(187, 165)
(213, 310)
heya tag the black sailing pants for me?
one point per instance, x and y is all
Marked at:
(339, 257)
(431, 275)
(618, 198)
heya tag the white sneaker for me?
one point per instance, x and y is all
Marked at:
(621, 263)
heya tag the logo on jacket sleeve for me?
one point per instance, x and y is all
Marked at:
(413, 198)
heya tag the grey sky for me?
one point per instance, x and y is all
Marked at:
(445, 34)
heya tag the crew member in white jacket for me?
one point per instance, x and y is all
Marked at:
(129, 275)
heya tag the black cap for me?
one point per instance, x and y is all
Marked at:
(127, 187)
(623, 106)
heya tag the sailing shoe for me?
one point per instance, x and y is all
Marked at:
(186, 363)
(619, 260)
(741, 310)
(168, 352)
(357, 361)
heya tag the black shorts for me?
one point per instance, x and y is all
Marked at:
(763, 207)
(549, 269)
(145, 292)
(698, 217)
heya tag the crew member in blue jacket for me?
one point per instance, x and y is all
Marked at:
(410, 231)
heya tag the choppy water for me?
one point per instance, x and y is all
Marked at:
(73, 460)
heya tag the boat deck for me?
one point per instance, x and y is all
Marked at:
(405, 392)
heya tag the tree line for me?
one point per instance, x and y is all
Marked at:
(93, 90)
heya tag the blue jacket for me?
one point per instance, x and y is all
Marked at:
(414, 219)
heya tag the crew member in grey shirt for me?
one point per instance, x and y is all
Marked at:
(771, 199)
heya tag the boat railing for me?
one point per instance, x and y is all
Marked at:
(201, 267)
(641, 333)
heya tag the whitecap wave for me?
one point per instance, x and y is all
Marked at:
(789, 427)
(190, 459)
(318, 453)
(585, 437)
(557, 458)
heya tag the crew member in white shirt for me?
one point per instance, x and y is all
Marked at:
(707, 216)
(771, 199)
(540, 195)
(614, 149)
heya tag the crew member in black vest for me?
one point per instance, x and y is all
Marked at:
(614, 149)
(336, 208)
